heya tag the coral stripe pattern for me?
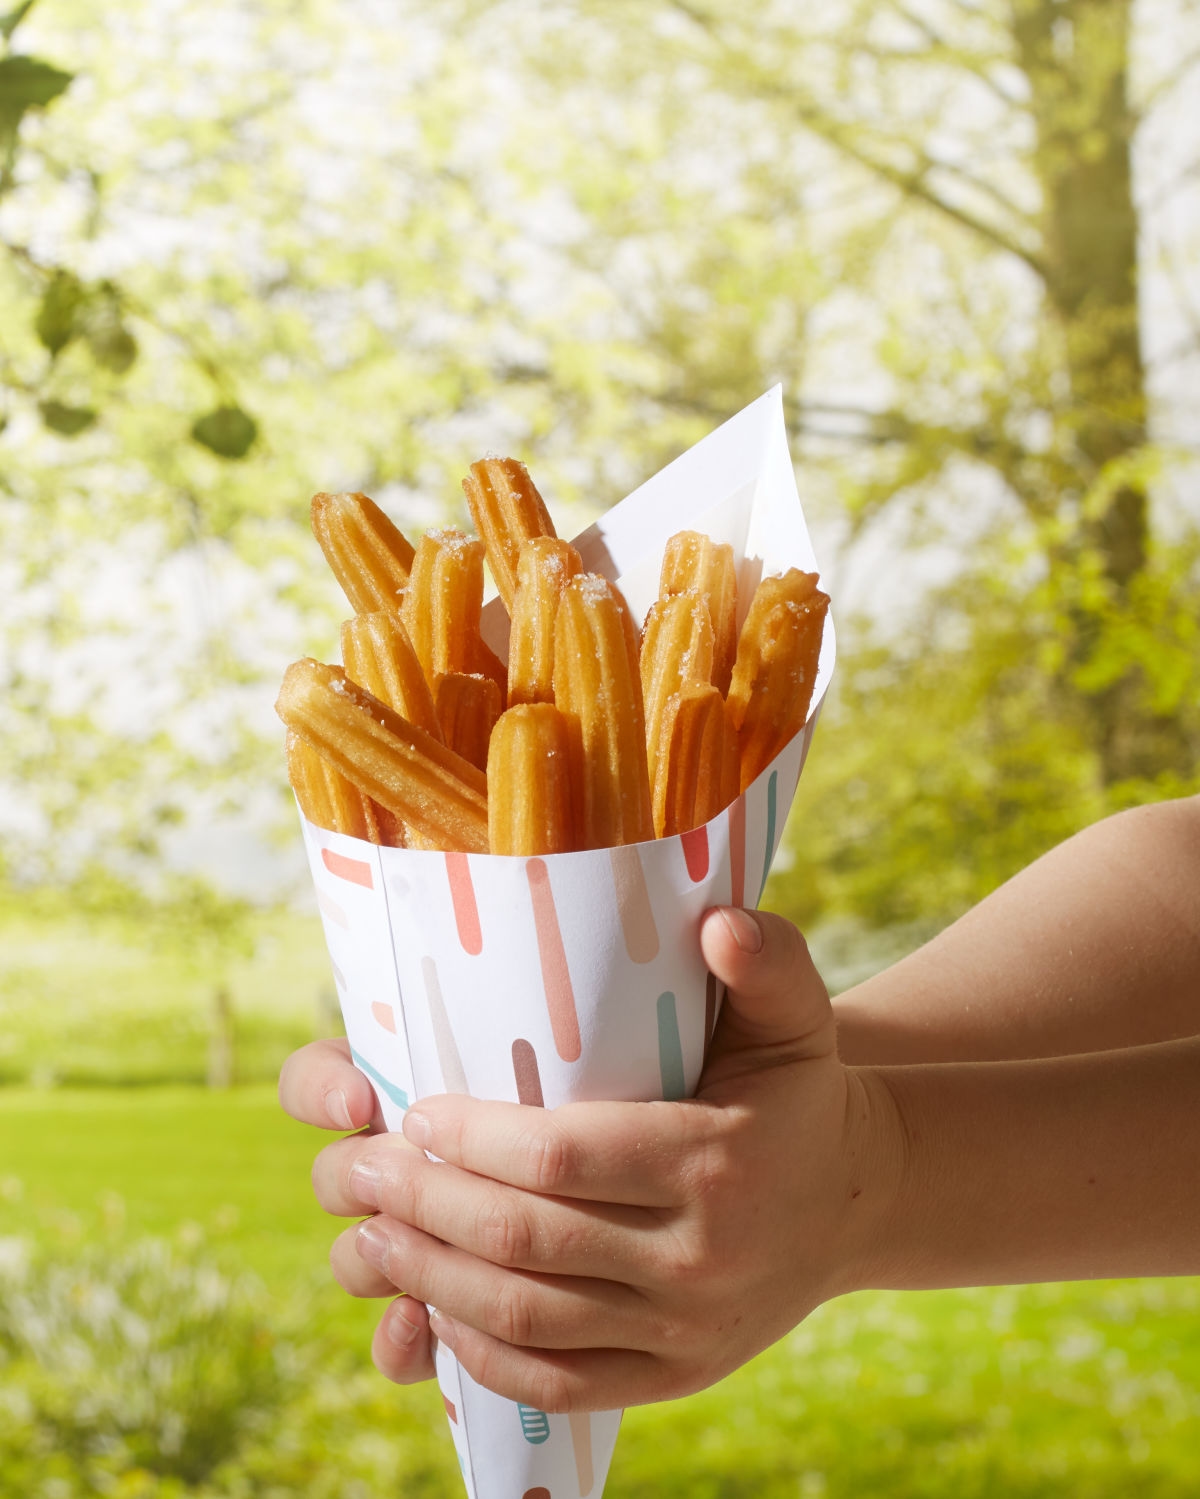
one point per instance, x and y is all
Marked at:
(556, 978)
(695, 853)
(528, 1078)
(581, 1438)
(454, 1077)
(466, 909)
(329, 907)
(385, 1015)
(633, 904)
(355, 870)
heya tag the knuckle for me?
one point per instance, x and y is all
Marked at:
(549, 1390)
(505, 1236)
(554, 1159)
(510, 1317)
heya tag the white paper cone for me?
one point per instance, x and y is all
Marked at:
(574, 976)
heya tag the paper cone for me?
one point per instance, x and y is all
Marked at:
(574, 976)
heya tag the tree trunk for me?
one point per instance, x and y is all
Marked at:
(1075, 54)
(221, 1040)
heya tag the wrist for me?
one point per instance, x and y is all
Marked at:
(879, 1159)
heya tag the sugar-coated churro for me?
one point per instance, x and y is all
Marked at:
(530, 805)
(776, 667)
(370, 557)
(545, 567)
(332, 802)
(507, 510)
(442, 603)
(698, 769)
(468, 706)
(433, 790)
(677, 652)
(694, 563)
(379, 656)
(598, 687)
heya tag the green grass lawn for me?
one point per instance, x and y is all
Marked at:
(1091, 1391)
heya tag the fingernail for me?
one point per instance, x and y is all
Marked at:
(443, 1329)
(417, 1129)
(743, 928)
(366, 1182)
(373, 1245)
(339, 1109)
(399, 1329)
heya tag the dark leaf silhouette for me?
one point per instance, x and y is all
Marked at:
(67, 421)
(229, 432)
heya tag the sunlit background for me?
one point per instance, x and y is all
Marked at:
(250, 249)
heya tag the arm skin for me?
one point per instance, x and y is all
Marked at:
(1093, 947)
(606, 1254)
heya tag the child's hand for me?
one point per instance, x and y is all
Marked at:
(605, 1254)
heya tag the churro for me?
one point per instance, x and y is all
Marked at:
(507, 510)
(467, 709)
(545, 567)
(699, 767)
(677, 652)
(598, 688)
(330, 801)
(442, 602)
(370, 557)
(430, 788)
(776, 667)
(530, 805)
(693, 563)
(379, 656)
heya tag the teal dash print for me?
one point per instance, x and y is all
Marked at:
(534, 1424)
(670, 1051)
(397, 1095)
(772, 795)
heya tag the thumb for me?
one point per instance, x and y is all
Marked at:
(775, 996)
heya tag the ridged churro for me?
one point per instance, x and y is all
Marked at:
(677, 652)
(406, 770)
(545, 567)
(442, 602)
(332, 802)
(528, 766)
(598, 688)
(694, 563)
(776, 667)
(467, 708)
(370, 557)
(507, 510)
(699, 773)
(379, 656)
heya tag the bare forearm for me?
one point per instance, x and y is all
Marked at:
(1060, 1169)
(1095, 946)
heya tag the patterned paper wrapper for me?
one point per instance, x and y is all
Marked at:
(574, 976)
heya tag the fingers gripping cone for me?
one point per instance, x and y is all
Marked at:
(574, 976)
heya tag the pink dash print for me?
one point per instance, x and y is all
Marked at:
(385, 1015)
(581, 1440)
(695, 853)
(536, 1494)
(556, 978)
(528, 1078)
(354, 870)
(450, 1411)
(466, 909)
(633, 904)
(737, 852)
(329, 907)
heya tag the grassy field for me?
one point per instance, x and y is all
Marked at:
(1091, 1390)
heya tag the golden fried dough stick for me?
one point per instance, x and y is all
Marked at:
(332, 802)
(545, 567)
(776, 667)
(468, 707)
(699, 771)
(507, 510)
(379, 656)
(677, 652)
(369, 556)
(442, 602)
(430, 788)
(528, 766)
(692, 562)
(598, 689)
